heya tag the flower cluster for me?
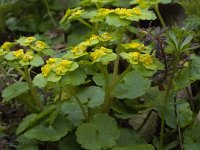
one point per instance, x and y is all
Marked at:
(135, 45)
(5, 48)
(144, 3)
(32, 43)
(103, 55)
(122, 12)
(81, 49)
(72, 14)
(138, 56)
(28, 53)
(58, 67)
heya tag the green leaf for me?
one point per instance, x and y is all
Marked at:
(75, 77)
(186, 42)
(47, 132)
(93, 96)
(10, 56)
(128, 137)
(14, 90)
(184, 115)
(26, 122)
(33, 119)
(37, 61)
(73, 112)
(100, 133)
(49, 52)
(192, 137)
(26, 144)
(69, 141)
(115, 20)
(40, 81)
(53, 77)
(135, 147)
(132, 86)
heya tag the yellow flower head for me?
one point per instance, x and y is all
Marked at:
(65, 63)
(46, 70)
(146, 59)
(19, 53)
(77, 13)
(62, 67)
(137, 11)
(6, 45)
(98, 53)
(51, 60)
(29, 40)
(93, 37)
(104, 12)
(106, 36)
(123, 12)
(40, 45)
(134, 55)
(134, 45)
(79, 50)
(27, 56)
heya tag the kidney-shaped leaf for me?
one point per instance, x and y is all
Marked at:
(132, 85)
(100, 133)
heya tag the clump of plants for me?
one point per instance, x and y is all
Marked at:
(82, 98)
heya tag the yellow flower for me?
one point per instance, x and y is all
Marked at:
(93, 37)
(59, 70)
(65, 63)
(46, 70)
(98, 53)
(134, 55)
(29, 40)
(123, 12)
(137, 11)
(27, 56)
(146, 59)
(106, 36)
(77, 13)
(104, 12)
(79, 50)
(6, 45)
(63, 67)
(134, 45)
(51, 60)
(40, 45)
(19, 53)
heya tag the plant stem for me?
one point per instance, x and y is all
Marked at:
(116, 63)
(107, 100)
(85, 23)
(120, 77)
(49, 13)
(79, 103)
(165, 100)
(159, 15)
(32, 89)
(177, 124)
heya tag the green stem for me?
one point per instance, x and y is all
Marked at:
(165, 101)
(32, 89)
(79, 103)
(107, 100)
(120, 77)
(116, 63)
(85, 23)
(49, 13)
(159, 15)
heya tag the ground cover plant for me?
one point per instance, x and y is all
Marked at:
(103, 82)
